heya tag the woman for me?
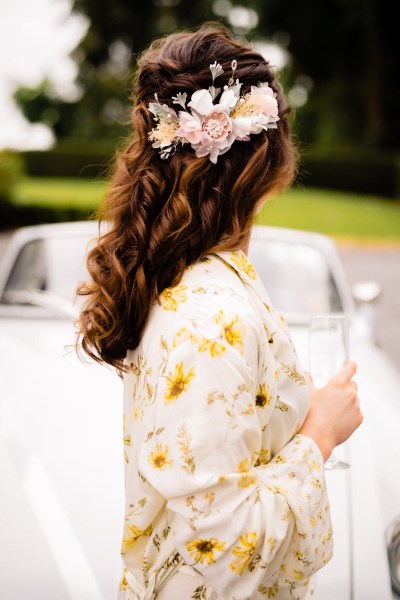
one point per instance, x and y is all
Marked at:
(224, 437)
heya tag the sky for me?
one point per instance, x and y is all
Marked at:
(36, 37)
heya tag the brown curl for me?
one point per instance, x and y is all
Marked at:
(164, 215)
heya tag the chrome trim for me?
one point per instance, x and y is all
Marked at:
(392, 535)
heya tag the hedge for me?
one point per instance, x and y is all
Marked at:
(12, 169)
(362, 172)
(18, 215)
(366, 172)
(70, 159)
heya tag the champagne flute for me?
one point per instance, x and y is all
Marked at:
(328, 352)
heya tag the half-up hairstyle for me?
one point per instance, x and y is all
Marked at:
(167, 214)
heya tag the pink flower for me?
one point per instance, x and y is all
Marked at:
(266, 98)
(216, 137)
(217, 125)
(210, 135)
(189, 127)
(213, 149)
(256, 112)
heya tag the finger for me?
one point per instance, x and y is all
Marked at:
(348, 371)
(353, 386)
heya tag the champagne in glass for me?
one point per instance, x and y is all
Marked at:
(328, 352)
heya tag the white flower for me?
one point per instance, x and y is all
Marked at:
(216, 70)
(201, 102)
(180, 98)
(243, 126)
(227, 101)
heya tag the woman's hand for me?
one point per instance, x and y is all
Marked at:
(334, 412)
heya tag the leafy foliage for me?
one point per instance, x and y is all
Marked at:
(12, 169)
(345, 49)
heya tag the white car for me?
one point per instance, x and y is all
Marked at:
(61, 463)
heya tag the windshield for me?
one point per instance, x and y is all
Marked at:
(53, 266)
(297, 278)
(296, 275)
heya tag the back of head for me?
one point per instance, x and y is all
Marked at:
(167, 212)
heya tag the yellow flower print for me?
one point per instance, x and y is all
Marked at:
(158, 458)
(244, 552)
(244, 465)
(280, 459)
(316, 483)
(182, 335)
(314, 466)
(214, 347)
(263, 397)
(271, 541)
(241, 262)
(233, 330)
(184, 440)
(270, 592)
(247, 478)
(131, 536)
(202, 550)
(280, 490)
(123, 583)
(127, 437)
(283, 320)
(172, 297)
(177, 383)
(298, 575)
(292, 372)
(263, 457)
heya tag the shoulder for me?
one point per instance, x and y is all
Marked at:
(206, 289)
(210, 304)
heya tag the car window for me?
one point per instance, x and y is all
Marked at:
(53, 265)
(296, 275)
(297, 278)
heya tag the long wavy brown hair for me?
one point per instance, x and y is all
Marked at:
(164, 215)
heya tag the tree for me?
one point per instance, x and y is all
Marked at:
(349, 49)
(344, 48)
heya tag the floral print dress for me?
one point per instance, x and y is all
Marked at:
(217, 478)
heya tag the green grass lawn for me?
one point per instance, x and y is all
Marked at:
(339, 214)
(64, 193)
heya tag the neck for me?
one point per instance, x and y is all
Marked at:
(245, 246)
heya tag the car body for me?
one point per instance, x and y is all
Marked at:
(61, 461)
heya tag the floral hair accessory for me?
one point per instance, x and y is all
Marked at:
(211, 126)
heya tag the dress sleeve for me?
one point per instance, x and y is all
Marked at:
(249, 530)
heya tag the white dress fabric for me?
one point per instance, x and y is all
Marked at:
(224, 499)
